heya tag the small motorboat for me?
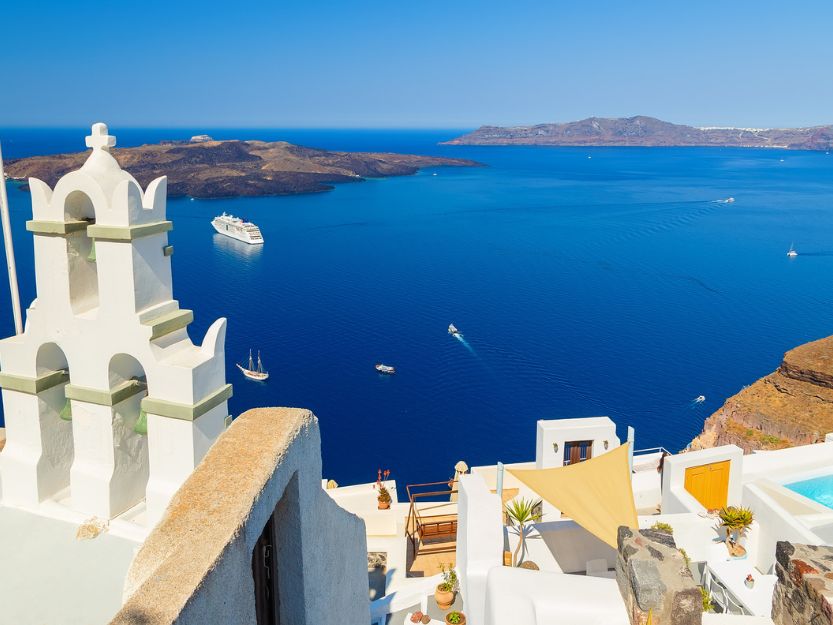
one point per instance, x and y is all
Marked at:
(452, 330)
(252, 372)
(385, 369)
(792, 253)
(729, 200)
(699, 399)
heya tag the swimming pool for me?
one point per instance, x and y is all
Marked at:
(818, 489)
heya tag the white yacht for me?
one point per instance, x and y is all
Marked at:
(792, 253)
(453, 331)
(385, 369)
(237, 228)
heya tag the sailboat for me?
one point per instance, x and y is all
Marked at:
(792, 253)
(251, 372)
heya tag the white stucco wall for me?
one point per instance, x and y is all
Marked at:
(196, 567)
(516, 596)
(775, 523)
(675, 498)
(570, 544)
(782, 464)
(560, 431)
(479, 542)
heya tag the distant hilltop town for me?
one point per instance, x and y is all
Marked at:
(205, 168)
(648, 132)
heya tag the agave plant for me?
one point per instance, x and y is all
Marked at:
(736, 520)
(522, 512)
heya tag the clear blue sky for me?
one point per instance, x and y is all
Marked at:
(429, 63)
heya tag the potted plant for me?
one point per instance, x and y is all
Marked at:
(383, 497)
(522, 512)
(749, 581)
(447, 589)
(455, 618)
(736, 520)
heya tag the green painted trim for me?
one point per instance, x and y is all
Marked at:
(186, 412)
(56, 228)
(128, 233)
(168, 250)
(32, 386)
(105, 398)
(170, 322)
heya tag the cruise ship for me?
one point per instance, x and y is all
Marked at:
(237, 228)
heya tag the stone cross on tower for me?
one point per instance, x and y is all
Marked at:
(99, 139)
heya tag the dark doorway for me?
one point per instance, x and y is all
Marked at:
(265, 573)
(577, 451)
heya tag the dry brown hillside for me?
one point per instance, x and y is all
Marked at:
(791, 406)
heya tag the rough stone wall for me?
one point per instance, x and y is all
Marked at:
(804, 590)
(791, 406)
(654, 578)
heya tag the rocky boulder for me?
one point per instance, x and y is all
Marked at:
(654, 579)
(804, 590)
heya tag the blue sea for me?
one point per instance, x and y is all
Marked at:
(586, 281)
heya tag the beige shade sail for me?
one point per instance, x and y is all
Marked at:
(596, 493)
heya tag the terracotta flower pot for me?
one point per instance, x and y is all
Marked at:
(383, 505)
(461, 622)
(444, 598)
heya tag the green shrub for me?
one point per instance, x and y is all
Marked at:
(455, 617)
(708, 606)
(665, 528)
(686, 557)
(736, 519)
(450, 582)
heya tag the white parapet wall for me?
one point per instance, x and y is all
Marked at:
(517, 596)
(778, 514)
(196, 567)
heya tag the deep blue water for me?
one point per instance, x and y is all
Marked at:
(584, 286)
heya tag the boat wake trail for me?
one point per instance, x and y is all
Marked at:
(465, 343)
(486, 367)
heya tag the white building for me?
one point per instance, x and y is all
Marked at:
(110, 408)
(575, 580)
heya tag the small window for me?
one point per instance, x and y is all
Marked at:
(577, 451)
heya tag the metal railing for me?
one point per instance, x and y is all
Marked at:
(650, 450)
(433, 526)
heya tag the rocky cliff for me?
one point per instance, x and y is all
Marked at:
(650, 132)
(206, 168)
(791, 406)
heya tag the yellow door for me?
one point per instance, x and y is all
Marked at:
(709, 484)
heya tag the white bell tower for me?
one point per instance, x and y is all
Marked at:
(107, 401)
